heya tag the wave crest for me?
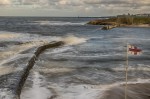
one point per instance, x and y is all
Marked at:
(73, 40)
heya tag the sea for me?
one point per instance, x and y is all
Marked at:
(91, 61)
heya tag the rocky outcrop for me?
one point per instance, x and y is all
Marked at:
(101, 22)
(108, 27)
(122, 21)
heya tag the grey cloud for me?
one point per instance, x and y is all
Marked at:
(123, 3)
(115, 2)
(92, 1)
(5, 2)
(80, 5)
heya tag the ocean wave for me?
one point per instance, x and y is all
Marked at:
(133, 69)
(8, 69)
(8, 35)
(36, 91)
(75, 91)
(58, 23)
(73, 40)
(6, 94)
(55, 70)
(25, 37)
(59, 50)
(135, 90)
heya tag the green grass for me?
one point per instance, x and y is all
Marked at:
(129, 20)
(125, 20)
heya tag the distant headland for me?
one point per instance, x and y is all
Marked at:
(137, 20)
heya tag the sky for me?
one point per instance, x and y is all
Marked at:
(73, 8)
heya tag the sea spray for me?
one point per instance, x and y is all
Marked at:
(15, 81)
(7, 70)
(14, 51)
(31, 63)
(36, 91)
(73, 40)
(9, 35)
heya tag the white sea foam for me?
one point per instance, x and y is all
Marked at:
(15, 57)
(13, 51)
(6, 94)
(73, 40)
(25, 37)
(6, 70)
(55, 70)
(59, 50)
(58, 23)
(76, 91)
(36, 91)
(69, 91)
(132, 38)
(89, 91)
(133, 69)
(4, 36)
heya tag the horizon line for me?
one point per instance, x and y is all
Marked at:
(62, 16)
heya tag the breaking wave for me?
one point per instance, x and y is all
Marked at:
(133, 69)
(58, 23)
(8, 35)
(73, 40)
(7, 70)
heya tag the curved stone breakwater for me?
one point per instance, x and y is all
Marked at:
(30, 64)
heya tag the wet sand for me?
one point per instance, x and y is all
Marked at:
(134, 91)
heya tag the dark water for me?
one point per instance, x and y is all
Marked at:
(73, 71)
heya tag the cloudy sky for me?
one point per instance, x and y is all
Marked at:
(72, 7)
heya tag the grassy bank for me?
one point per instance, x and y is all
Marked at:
(122, 21)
